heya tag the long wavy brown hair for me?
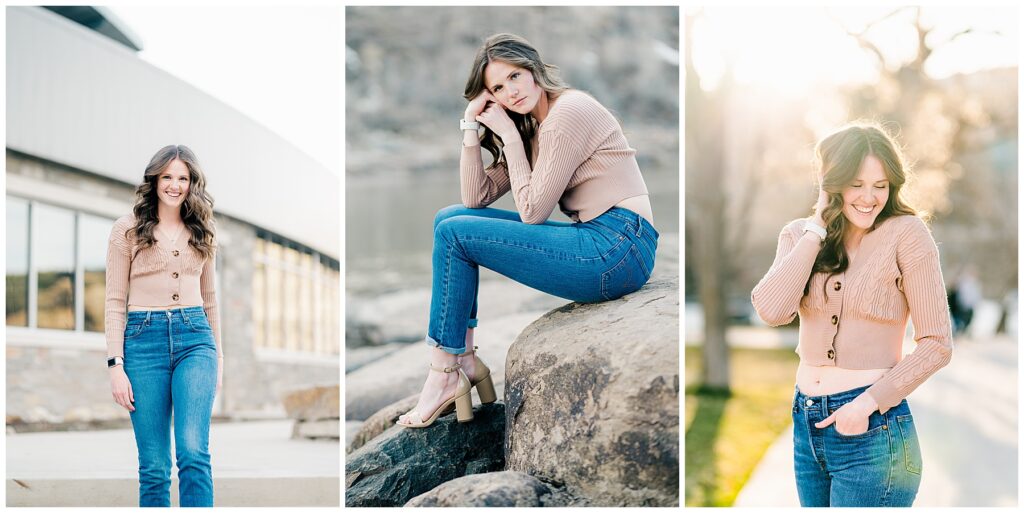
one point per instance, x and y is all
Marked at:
(196, 210)
(516, 51)
(840, 156)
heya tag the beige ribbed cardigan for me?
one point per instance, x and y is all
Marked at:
(581, 161)
(856, 319)
(162, 275)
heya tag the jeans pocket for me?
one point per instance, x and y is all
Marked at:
(876, 425)
(133, 329)
(198, 323)
(911, 447)
(628, 275)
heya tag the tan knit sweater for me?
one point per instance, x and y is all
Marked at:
(856, 319)
(581, 161)
(162, 275)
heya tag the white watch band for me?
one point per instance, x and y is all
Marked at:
(815, 229)
(468, 125)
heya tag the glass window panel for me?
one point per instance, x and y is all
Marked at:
(275, 306)
(259, 249)
(94, 234)
(291, 302)
(306, 313)
(55, 264)
(334, 312)
(17, 262)
(259, 298)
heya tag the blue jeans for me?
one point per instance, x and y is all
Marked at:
(602, 259)
(880, 467)
(170, 358)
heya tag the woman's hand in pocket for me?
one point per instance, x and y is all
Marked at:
(851, 418)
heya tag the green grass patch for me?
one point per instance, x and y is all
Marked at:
(726, 435)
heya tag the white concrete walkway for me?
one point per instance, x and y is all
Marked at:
(254, 464)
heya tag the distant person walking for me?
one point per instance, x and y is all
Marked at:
(968, 296)
(551, 146)
(854, 272)
(162, 326)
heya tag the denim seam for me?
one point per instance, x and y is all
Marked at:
(892, 466)
(810, 440)
(604, 276)
(446, 297)
(905, 441)
(170, 337)
(560, 256)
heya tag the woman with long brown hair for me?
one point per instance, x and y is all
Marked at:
(854, 272)
(550, 146)
(162, 325)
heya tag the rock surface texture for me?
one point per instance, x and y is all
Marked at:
(403, 463)
(495, 489)
(381, 421)
(316, 411)
(592, 399)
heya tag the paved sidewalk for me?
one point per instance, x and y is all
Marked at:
(254, 464)
(966, 416)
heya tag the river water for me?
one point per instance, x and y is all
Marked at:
(389, 219)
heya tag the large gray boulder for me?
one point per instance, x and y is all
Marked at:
(381, 421)
(403, 463)
(592, 399)
(495, 489)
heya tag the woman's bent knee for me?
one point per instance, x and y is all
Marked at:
(449, 212)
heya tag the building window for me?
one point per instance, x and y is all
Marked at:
(94, 233)
(56, 266)
(295, 298)
(17, 262)
(54, 256)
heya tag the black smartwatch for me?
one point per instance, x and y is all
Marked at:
(114, 361)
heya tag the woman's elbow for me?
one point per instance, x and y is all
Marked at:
(772, 314)
(473, 201)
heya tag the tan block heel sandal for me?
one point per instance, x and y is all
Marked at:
(482, 381)
(462, 401)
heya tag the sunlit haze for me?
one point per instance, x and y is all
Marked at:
(793, 49)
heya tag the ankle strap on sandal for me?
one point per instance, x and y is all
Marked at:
(446, 370)
(467, 353)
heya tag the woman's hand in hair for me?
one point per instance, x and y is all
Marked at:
(819, 206)
(495, 118)
(121, 388)
(478, 104)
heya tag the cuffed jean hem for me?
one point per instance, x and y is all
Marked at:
(450, 350)
(472, 323)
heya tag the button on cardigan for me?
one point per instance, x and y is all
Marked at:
(162, 275)
(856, 319)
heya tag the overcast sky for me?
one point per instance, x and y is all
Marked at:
(279, 65)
